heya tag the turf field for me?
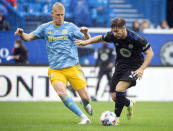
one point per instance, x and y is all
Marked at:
(53, 116)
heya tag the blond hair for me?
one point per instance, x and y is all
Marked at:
(58, 5)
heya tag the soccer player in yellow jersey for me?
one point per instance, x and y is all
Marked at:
(63, 58)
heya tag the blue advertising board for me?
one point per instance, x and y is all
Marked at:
(162, 45)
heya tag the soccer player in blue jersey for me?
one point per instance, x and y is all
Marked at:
(130, 62)
(63, 58)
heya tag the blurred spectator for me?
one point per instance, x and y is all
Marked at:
(12, 3)
(3, 24)
(99, 12)
(102, 15)
(93, 11)
(136, 26)
(35, 7)
(3, 10)
(163, 26)
(80, 12)
(66, 4)
(19, 53)
(144, 25)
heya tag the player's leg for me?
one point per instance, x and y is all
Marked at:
(113, 83)
(59, 83)
(121, 100)
(109, 76)
(78, 82)
(100, 75)
(83, 93)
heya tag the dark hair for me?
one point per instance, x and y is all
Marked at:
(118, 22)
(20, 43)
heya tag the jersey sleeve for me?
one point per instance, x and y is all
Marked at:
(107, 37)
(143, 43)
(39, 32)
(76, 32)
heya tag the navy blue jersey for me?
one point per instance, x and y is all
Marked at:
(129, 50)
(105, 56)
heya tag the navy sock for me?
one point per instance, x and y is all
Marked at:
(120, 102)
(85, 102)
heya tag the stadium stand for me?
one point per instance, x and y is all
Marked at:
(93, 13)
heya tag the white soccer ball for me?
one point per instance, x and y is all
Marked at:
(108, 118)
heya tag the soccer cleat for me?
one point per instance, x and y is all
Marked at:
(84, 121)
(130, 110)
(89, 109)
(117, 122)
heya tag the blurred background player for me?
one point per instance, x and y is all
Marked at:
(63, 58)
(136, 26)
(19, 53)
(4, 26)
(104, 61)
(130, 63)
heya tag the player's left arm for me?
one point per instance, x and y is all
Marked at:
(149, 55)
(84, 30)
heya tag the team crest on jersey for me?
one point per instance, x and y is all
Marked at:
(104, 57)
(50, 32)
(130, 46)
(65, 31)
(125, 52)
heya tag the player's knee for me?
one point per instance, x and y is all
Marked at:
(119, 89)
(113, 95)
(60, 89)
(62, 93)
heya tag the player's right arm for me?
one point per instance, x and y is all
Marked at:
(106, 37)
(89, 41)
(24, 36)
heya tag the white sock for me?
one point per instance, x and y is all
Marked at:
(83, 116)
(131, 104)
(117, 118)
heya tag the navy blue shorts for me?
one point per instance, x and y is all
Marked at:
(129, 76)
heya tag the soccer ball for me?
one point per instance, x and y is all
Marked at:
(108, 118)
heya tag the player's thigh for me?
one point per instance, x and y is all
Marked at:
(76, 77)
(127, 80)
(114, 81)
(58, 80)
(122, 86)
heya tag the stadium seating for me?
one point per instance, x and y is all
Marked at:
(91, 13)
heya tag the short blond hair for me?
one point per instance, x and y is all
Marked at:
(58, 5)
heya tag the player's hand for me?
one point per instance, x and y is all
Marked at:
(139, 73)
(84, 30)
(81, 42)
(19, 32)
(110, 66)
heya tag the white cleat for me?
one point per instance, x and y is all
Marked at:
(84, 121)
(117, 122)
(89, 109)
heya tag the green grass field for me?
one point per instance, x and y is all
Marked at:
(53, 116)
